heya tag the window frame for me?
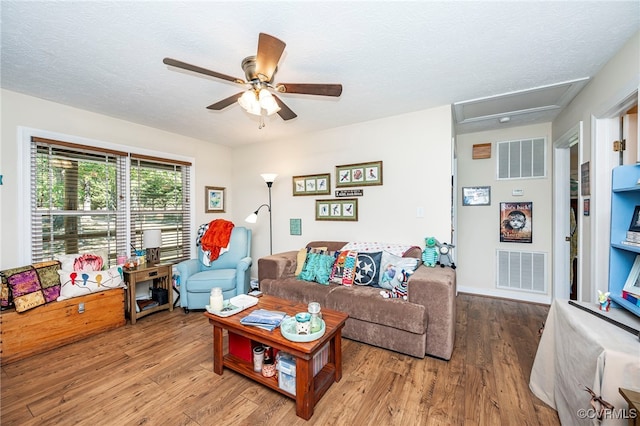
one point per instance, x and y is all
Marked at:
(23, 181)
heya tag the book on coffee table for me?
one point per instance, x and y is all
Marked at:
(263, 318)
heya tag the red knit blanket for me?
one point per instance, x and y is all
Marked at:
(216, 237)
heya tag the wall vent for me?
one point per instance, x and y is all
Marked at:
(522, 271)
(522, 159)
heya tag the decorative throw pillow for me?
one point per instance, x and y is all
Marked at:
(74, 284)
(343, 269)
(368, 269)
(301, 257)
(26, 290)
(317, 266)
(392, 267)
(31, 286)
(93, 261)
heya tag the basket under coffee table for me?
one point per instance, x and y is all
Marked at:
(309, 388)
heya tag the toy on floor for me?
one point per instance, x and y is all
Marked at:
(430, 252)
(400, 291)
(444, 255)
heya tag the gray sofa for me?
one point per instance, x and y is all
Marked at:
(422, 325)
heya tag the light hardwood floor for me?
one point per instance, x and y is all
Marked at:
(160, 372)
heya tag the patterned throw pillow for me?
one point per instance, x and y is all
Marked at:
(343, 270)
(368, 269)
(31, 286)
(301, 257)
(80, 283)
(317, 266)
(392, 267)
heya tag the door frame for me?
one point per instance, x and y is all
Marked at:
(562, 205)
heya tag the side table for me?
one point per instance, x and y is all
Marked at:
(157, 276)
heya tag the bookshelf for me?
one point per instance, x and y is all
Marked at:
(625, 197)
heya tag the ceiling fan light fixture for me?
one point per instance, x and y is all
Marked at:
(250, 103)
(268, 102)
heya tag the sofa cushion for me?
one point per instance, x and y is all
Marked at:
(366, 304)
(203, 282)
(81, 283)
(297, 290)
(368, 269)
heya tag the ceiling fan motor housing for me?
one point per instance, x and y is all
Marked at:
(252, 76)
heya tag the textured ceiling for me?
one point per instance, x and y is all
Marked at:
(390, 57)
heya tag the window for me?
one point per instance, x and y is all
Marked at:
(79, 199)
(158, 201)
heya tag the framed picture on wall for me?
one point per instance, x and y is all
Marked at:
(361, 174)
(312, 184)
(476, 196)
(337, 209)
(516, 222)
(213, 199)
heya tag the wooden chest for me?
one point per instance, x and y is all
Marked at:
(59, 323)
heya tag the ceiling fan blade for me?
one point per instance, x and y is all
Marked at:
(269, 52)
(285, 112)
(225, 102)
(310, 89)
(195, 68)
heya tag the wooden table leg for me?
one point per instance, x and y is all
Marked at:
(335, 354)
(305, 398)
(218, 362)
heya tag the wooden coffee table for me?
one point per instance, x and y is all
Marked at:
(309, 388)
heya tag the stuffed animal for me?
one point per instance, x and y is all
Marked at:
(430, 252)
(444, 255)
(400, 291)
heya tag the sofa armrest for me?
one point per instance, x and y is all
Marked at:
(435, 289)
(277, 266)
(243, 275)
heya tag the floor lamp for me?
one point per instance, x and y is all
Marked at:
(269, 178)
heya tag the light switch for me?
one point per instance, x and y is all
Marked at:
(517, 192)
(420, 212)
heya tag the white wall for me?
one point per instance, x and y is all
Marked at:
(212, 162)
(616, 81)
(416, 152)
(478, 235)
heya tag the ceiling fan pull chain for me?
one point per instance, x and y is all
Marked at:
(261, 122)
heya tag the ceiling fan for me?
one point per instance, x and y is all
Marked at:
(259, 72)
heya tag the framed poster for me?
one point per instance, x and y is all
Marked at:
(585, 179)
(337, 209)
(213, 199)
(635, 220)
(360, 174)
(476, 196)
(312, 184)
(632, 285)
(516, 222)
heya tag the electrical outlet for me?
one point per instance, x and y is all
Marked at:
(81, 308)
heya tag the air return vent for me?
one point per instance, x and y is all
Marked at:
(521, 159)
(522, 271)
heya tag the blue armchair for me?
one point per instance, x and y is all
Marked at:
(231, 271)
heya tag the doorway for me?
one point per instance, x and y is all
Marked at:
(567, 220)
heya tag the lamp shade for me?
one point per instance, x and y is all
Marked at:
(252, 218)
(152, 238)
(269, 177)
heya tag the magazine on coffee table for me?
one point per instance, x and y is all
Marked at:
(234, 305)
(264, 318)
